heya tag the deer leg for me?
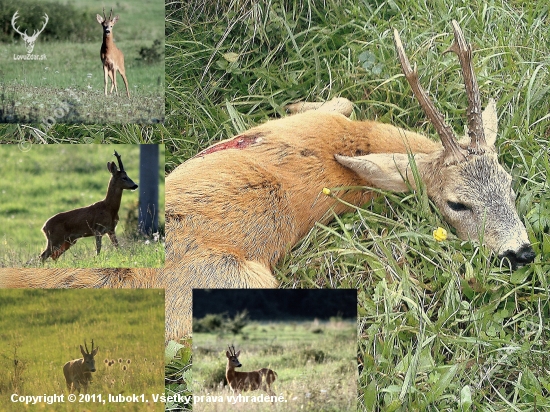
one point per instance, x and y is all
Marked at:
(125, 81)
(113, 238)
(106, 78)
(113, 78)
(336, 105)
(61, 249)
(98, 244)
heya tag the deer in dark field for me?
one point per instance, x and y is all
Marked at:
(237, 207)
(247, 381)
(78, 372)
(98, 219)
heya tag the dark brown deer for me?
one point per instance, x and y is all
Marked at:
(247, 381)
(111, 57)
(78, 372)
(98, 219)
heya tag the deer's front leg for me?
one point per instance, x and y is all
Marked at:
(106, 75)
(98, 244)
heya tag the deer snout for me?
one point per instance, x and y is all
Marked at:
(92, 370)
(134, 187)
(520, 257)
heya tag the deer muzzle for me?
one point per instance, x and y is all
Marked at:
(520, 257)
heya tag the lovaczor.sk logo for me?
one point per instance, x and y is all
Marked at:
(29, 40)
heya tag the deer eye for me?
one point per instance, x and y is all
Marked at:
(457, 207)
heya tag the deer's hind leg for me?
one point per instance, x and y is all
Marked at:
(123, 74)
(112, 237)
(336, 105)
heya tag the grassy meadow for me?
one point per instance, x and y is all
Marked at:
(43, 180)
(68, 86)
(442, 325)
(311, 374)
(41, 330)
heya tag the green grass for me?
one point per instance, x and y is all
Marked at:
(41, 181)
(39, 334)
(312, 376)
(34, 90)
(442, 326)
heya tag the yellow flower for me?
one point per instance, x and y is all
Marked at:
(326, 191)
(440, 234)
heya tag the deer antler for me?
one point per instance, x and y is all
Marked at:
(475, 122)
(453, 151)
(35, 34)
(86, 346)
(15, 17)
(111, 15)
(120, 166)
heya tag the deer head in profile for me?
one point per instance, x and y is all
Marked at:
(464, 179)
(29, 40)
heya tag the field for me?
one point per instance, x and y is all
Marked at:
(68, 86)
(312, 375)
(442, 325)
(43, 180)
(38, 335)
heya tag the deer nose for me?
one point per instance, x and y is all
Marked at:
(520, 257)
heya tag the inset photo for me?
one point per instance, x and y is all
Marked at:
(80, 349)
(274, 349)
(82, 62)
(82, 206)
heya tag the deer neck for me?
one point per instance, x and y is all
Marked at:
(113, 197)
(108, 41)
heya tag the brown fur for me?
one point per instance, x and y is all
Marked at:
(78, 372)
(64, 229)
(247, 381)
(111, 57)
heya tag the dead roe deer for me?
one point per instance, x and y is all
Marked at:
(247, 381)
(78, 372)
(98, 219)
(237, 207)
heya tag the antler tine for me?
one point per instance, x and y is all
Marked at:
(111, 15)
(104, 17)
(120, 166)
(92, 345)
(475, 122)
(86, 346)
(445, 132)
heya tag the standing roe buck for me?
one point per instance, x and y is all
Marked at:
(78, 372)
(247, 381)
(29, 40)
(237, 207)
(111, 57)
(98, 219)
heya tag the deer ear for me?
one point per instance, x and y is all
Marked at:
(99, 19)
(114, 20)
(490, 125)
(111, 167)
(82, 350)
(490, 122)
(237, 354)
(388, 171)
